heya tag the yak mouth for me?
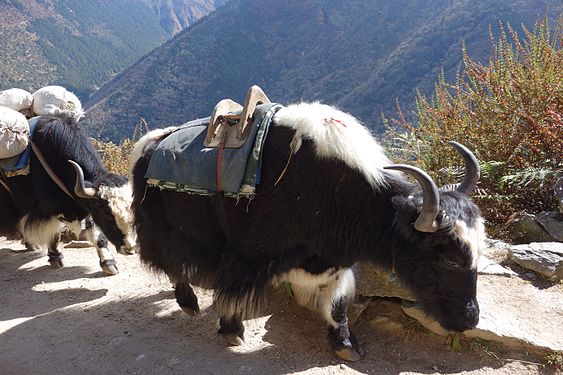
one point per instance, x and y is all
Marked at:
(459, 320)
(459, 328)
(450, 321)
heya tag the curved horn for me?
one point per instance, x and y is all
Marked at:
(431, 200)
(79, 189)
(472, 170)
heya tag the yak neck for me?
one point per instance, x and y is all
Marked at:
(344, 218)
(64, 140)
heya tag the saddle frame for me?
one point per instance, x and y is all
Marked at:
(229, 124)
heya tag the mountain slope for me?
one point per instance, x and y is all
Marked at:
(81, 44)
(176, 15)
(358, 55)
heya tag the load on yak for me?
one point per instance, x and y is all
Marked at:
(50, 175)
(315, 195)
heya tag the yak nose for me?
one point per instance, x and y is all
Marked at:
(471, 314)
(464, 320)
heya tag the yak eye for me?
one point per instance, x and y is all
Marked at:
(450, 263)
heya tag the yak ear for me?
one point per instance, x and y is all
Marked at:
(406, 206)
(401, 203)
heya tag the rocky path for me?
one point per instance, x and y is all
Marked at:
(77, 321)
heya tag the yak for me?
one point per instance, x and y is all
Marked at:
(328, 198)
(67, 183)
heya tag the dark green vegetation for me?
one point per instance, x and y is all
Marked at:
(510, 111)
(358, 55)
(80, 44)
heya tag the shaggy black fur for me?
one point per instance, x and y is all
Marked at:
(322, 214)
(39, 197)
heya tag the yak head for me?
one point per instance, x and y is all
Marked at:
(108, 199)
(442, 236)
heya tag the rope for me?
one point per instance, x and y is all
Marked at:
(291, 152)
(5, 186)
(220, 159)
(49, 171)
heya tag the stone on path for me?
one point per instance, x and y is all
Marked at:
(552, 222)
(375, 281)
(78, 244)
(545, 258)
(523, 228)
(486, 266)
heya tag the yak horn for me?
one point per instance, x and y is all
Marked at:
(79, 189)
(472, 171)
(426, 221)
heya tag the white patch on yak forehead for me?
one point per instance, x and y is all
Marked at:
(119, 200)
(336, 135)
(473, 236)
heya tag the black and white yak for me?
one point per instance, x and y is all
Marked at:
(338, 202)
(34, 207)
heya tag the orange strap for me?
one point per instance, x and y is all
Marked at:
(220, 161)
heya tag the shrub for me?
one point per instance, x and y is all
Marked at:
(509, 112)
(116, 157)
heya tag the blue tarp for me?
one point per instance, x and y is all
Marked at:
(181, 162)
(12, 165)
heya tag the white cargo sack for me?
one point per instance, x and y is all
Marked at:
(14, 133)
(16, 99)
(56, 101)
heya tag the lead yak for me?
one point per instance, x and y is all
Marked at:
(328, 198)
(69, 185)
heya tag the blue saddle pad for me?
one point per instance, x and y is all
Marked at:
(18, 165)
(182, 163)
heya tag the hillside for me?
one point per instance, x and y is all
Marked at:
(176, 15)
(81, 44)
(358, 55)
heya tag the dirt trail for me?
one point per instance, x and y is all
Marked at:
(77, 321)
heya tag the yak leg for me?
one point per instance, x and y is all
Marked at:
(55, 256)
(100, 242)
(329, 294)
(186, 298)
(231, 304)
(341, 339)
(35, 230)
(30, 247)
(232, 329)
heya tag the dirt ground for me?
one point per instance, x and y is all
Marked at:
(75, 320)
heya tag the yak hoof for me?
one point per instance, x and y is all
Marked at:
(349, 354)
(109, 267)
(348, 350)
(190, 311)
(233, 339)
(56, 262)
(31, 247)
(126, 250)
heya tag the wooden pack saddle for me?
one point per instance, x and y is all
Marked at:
(229, 121)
